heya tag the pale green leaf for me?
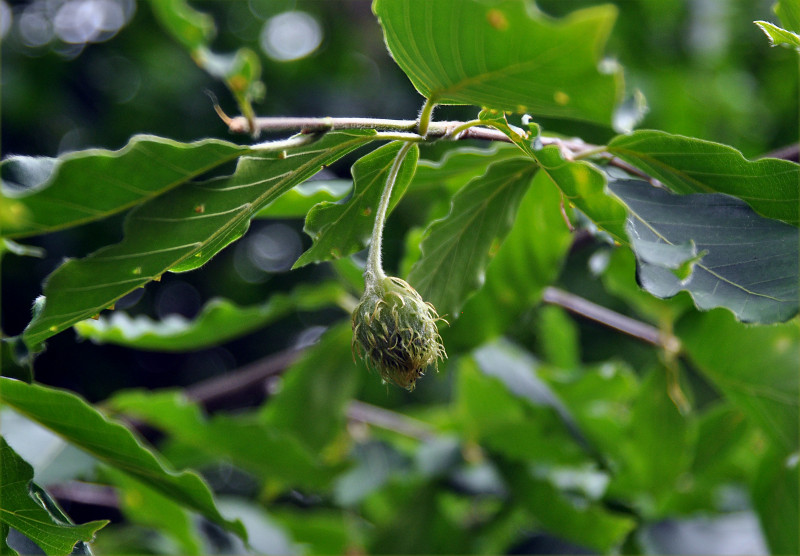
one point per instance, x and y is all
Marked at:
(25, 511)
(456, 249)
(341, 229)
(191, 28)
(749, 263)
(504, 55)
(779, 36)
(79, 423)
(789, 13)
(40, 195)
(687, 165)
(218, 321)
(179, 231)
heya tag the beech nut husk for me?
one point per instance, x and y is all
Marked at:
(394, 331)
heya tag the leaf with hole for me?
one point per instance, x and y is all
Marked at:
(504, 55)
(749, 265)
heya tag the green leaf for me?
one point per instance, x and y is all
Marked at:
(789, 13)
(504, 56)
(244, 441)
(456, 249)
(40, 195)
(754, 367)
(218, 322)
(341, 229)
(79, 423)
(687, 165)
(296, 202)
(775, 497)
(191, 28)
(583, 185)
(458, 166)
(779, 36)
(27, 512)
(529, 259)
(580, 521)
(144, 506)
(311, 403)
(179, 231)
(750, 262)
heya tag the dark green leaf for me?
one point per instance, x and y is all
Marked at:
(79, 423)
(179, 231)
(262, 449)
(311, 403)
(529, 259)
(779, 36)
(775, 497)
(754, 367)
(296, 202)
(456, 249)
(341, 229)
(26, 512)
(40, 195)
(219, 321)
(687, 165)
(503, 56)
(582, 522)
(750, 263)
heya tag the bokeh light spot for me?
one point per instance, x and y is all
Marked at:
(290, 36)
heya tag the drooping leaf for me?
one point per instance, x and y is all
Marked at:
(296, 202)
(341, 229)
(265, 450)
(22, 509)
(582, 184)
(503, 55)
(750, 263)
(311, 403)
(755, 367)
(79, 423)
(529, 260)
(456, 249)
(40, 195)
(179, 231)
(779, 36)
(688, 165)
(218, 321)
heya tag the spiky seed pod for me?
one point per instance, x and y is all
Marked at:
(394, 331)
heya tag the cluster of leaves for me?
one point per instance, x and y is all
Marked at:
(527, 437)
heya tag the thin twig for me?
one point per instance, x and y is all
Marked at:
(85, 493)
(390, 420)
(612, 319)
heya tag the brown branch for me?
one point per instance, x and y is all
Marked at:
(612, 319)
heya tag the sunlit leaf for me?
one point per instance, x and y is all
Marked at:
(688, 165)
(341, 229)
(79, 423)
(504, 55)
(779, 36)
(40, 195)
(179, 231)
(218, 321)
(296, 202)
(749, 263)
(26, 512)
(456, 249)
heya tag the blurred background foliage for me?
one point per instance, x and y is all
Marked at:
(91, 73)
